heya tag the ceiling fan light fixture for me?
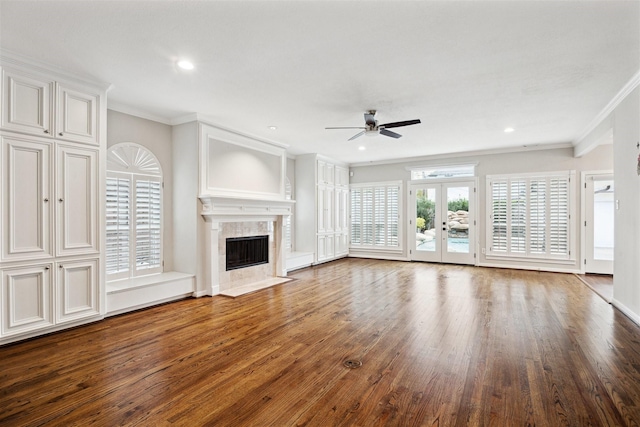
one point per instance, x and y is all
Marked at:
(508, 130)
(362, 148)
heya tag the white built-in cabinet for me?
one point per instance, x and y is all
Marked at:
(322, 194)
(51, 175)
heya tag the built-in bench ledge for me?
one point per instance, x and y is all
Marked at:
(140, 292)
(296, 260)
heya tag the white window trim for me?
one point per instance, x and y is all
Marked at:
(572, 209)
(400, 234)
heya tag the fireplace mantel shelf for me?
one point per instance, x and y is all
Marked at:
(218, 207)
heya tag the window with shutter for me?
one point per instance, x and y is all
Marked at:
(499, 216)
(530, 216)
(118, 221)
(375, 213)
(148, 232)
(356, 216)
(134, 212)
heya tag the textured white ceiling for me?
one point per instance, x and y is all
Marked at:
(466, 69)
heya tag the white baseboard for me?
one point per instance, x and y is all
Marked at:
(531, 268)
(379, 256)
(626, 311)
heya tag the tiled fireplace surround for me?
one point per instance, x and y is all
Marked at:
(242, 217)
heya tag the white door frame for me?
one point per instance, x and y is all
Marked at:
(473, 215)
(583, 214)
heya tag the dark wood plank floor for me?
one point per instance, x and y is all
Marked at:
(440, 345)
(602, 284)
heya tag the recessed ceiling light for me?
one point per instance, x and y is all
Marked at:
(185, 65)
(507, 130)
(273, 127)
(362, 148)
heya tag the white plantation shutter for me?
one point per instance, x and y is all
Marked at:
(375, 213)
(356, 216)
(498, 216)
(367, 216)
(134, 212)
(380, 215)
(118, 223)
(393, 216)
(518, 222)
(148, 230)
(559, 216)
(537, 217)
(530, 216)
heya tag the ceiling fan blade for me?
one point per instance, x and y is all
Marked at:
(389, 133)
(369, 119)
(356, 135)
(399, 124)
(349, 127)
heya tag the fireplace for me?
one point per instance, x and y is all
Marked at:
(246, 251)
(238, 217)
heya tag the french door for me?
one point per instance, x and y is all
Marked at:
(598, 224)
(442, 222)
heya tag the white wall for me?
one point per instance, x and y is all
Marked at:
(533, 161)
(626, 136)
(189, 226)
(156, 137)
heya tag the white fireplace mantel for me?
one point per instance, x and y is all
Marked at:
(229, 208)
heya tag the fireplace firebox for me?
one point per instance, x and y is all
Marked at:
(247, 251)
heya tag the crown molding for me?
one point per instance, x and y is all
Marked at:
(137, 112)
(447, 156)
(608, 109)
(16, 60)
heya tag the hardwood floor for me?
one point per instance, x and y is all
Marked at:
(601, 284)
(440, 345)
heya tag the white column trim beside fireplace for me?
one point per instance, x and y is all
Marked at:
(219, 209)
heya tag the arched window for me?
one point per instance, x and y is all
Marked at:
(134, 212)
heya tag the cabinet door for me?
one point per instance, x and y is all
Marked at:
(77, 290)
(342, 176)
(321, 207)
(329, 246)
(342, 244)
(26, 103)
(329, 174)
(77, 116)
(26, 299)
(77, 202)
(26, 189)
(321, 253)
(329, 205)
(342, 196)
(321, 170)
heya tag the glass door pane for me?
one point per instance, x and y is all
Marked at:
(425, 219)
(603, 210)
(458, 219)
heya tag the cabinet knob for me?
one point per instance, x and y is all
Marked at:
(60, 134)
(61, 199)
(60, 266)
(46, 199)
(46, 131)
(47, 268)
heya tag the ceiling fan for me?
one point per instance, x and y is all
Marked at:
(372, 127)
